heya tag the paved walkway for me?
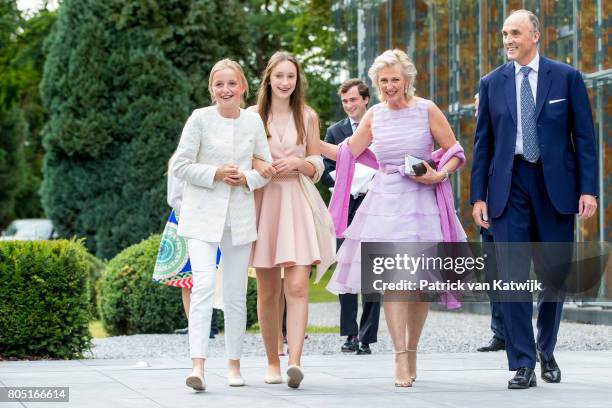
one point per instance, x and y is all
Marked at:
(450, 380)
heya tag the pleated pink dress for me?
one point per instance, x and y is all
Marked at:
(286, 234)
(396, 208)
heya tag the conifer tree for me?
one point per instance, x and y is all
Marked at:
(117, 105)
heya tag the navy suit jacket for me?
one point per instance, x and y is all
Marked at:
(565, 131)
(335, 134)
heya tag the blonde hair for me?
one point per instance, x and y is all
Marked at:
(296, 100)
(227, 63)
(394, 58)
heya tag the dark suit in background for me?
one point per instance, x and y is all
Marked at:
(496, 320)
(367, 331)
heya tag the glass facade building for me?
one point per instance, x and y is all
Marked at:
(455, 42)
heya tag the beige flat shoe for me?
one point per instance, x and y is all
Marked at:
(295, 376)
(273, 379)
(196, 381)
(237, 381)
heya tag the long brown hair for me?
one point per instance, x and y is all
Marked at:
(296, 100)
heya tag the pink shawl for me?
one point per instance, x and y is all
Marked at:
(345, 167)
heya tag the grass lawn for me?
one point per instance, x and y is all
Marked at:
(97, 330)
(310, 329)
(317, 292)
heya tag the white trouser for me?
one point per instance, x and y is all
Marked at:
(203, 256)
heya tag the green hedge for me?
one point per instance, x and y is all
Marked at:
(95, 267)
(43, 299)
(129, 302)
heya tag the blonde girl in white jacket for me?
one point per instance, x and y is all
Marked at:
(214, 158)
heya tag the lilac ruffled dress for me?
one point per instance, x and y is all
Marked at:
(396, 208)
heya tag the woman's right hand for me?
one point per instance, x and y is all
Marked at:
(226, 171)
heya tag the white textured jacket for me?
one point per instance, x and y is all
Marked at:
(210, 141)
(174, 194)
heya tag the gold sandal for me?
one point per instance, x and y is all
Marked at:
(402, 384)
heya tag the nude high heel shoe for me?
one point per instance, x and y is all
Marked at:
(412, 364)
(401, 383)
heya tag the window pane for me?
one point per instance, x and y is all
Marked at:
(606, 16)
(492, 15)
(558, 30)
(422, 49)
(587, 50)
(441, 62)
(469, 72)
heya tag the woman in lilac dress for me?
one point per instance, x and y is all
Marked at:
(397, 208)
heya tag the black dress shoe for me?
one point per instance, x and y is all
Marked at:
(351, 344)
(551, 373)
(495, 344)
(524, 378)
(364, 348)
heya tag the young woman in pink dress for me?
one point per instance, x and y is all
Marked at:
(286, 231)
(397, 208)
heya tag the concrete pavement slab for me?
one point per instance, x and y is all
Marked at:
(444, 380)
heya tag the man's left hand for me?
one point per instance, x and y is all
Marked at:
(587, 206)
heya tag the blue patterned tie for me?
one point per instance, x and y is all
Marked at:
(531, 151)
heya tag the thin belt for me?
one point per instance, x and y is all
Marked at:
(289, 176)
(392, 168)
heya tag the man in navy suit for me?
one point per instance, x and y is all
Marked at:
(355, 96)
(534, 168)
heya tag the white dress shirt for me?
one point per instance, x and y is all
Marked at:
(533, 82)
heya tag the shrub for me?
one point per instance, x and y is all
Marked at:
(43, 299)
(129, 302)
(95, 267)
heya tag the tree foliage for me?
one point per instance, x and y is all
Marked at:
(119, 81)
(192, 35)
(11, 121)
(21, 112)
(29, 62)
(116, 106)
